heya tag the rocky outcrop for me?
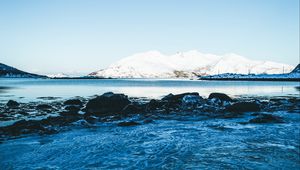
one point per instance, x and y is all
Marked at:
(107, 103)
(220, 96)
(266, 118)
(43, 107)
(73, 102)
(132, 109)
(243, 107)
(178, 97)
(131, 123)
(111, 107)
(12, 104)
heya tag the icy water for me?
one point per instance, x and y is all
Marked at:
(31, 89)
(176, 141)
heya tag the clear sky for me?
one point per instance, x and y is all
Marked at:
(52, 36)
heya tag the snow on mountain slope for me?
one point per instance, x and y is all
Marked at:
(58, 75)
(153, 64)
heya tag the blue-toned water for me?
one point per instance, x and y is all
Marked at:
(30, 89)
(177, 141)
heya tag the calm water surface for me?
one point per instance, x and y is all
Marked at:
(30, 89)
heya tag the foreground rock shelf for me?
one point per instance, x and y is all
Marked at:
(20, 119)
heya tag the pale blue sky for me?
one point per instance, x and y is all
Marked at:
(49, 36)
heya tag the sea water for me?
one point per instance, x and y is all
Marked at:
(174, 142)
(31, 89)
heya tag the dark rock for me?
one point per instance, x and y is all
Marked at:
(48, 98)
(23, 127)
(107, 103)
(243, 107)
(60, 120)
(294, 100)
(48, 131)
(219, 127)
(23, 113)
(255, 114)
(82, 122)
(220, 96)
(148, 120)
(73, 102)
(230, 115)
(132, 109)
(131, 123)
(154, 104)
(43, 107)
(72, 108)
(26, 127)
(215, 102)
(174, 102)
(12, 104)
(69, 113)
(91, 119)
(266, 118)
(178, 97)
(191, 100)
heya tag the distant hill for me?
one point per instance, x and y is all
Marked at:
(296, 69)
(11, 72)
(294, 75)
(191, 64)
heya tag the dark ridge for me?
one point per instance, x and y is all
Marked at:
(11, 72)
(296, 69)
(251, 79)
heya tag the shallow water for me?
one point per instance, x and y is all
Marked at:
(31, 89)
(163, 144)
(179, 141)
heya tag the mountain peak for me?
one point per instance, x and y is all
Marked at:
(153, 64)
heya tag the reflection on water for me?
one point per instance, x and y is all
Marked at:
(5, 89)
(33, 88)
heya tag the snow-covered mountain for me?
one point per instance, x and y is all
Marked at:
(58, 75)
(154, 64)
(11, 72)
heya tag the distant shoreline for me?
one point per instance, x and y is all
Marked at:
(79, 78)
(201, 78)
(253, 79)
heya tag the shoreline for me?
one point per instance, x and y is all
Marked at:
(88, 130)
(253, 79)
(176, 79)
(51, 116)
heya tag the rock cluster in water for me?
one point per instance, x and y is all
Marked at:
(109, 107)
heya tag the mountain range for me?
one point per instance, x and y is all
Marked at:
(191, 64)
(11, 72)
